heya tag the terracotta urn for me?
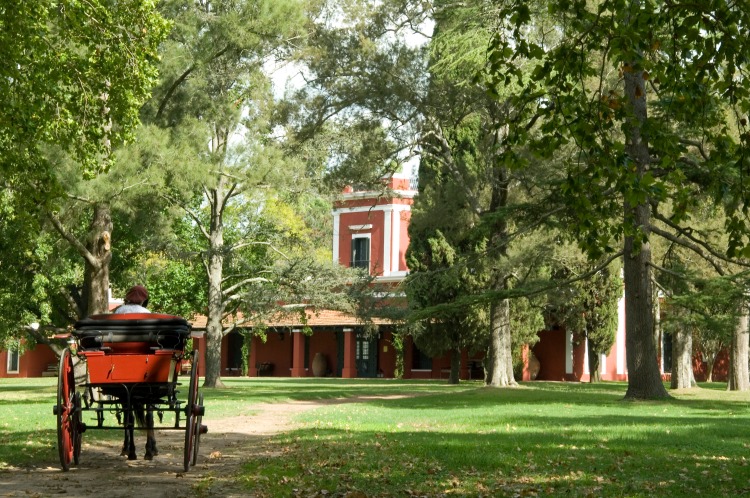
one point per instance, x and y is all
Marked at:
(534, 366)
(319, 365)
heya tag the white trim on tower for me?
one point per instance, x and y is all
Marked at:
(336, 236)
(387, 235)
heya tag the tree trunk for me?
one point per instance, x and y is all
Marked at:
(489, 363)
(682, 359)
(501, 354)
(738, 355)
(97, 254)
(594, 364)
(658, 338)
(455, 375)
(215, 268)
(214, 328)
(644, 378)
(96, 272)
(710, 361)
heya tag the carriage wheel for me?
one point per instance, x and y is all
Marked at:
(191, 413)
(68, 414)
(77, 410)
(197, 442)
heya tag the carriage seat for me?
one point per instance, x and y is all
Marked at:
(160, 331)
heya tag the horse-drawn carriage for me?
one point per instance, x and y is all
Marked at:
(132, 362)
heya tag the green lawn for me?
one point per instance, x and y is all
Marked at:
(542, 439)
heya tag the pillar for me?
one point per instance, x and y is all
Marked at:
(298, 354)
(350, 355)
(252, 362)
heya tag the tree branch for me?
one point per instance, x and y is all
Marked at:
(259, 243)
(72, 240)
(515, 293)
(246, 281)
(188, 211)
(183, 77)
(700, 247)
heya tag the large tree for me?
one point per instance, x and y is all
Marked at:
(437, 277)
(653, 97)
(358, 111)
(365, 78)
(74, 76)
(461, 141)
(221, 161)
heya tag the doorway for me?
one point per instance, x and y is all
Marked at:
(366, 357)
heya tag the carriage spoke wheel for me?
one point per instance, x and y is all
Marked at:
(196, 443)
(77, 423)
(192, 411)
(68, 414)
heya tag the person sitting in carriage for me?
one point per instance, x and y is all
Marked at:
(136, 301)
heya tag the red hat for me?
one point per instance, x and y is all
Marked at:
(136, 295)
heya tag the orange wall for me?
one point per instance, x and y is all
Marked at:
(550, 351)
(326, 344)
(276, 350)
(721, 367)
(579, 358)
(32, 363)
(374, 218)
(386, 355)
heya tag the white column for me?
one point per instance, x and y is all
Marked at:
(396, 240)
(336, 236)
(586, 356)
(387, 235)
(621, 362)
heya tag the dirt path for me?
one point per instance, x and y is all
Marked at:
(103, 472)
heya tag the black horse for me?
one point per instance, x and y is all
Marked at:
(136, 407)
(143, 415)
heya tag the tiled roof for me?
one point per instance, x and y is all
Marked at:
(315, 318)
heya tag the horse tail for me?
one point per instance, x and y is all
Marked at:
(139, 410)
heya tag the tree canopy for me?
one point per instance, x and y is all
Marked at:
(73, 79)
(74, 74)
(647, 102)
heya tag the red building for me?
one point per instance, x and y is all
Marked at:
(370, 230)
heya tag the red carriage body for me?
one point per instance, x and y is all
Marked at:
(132, 360)
(133, 347)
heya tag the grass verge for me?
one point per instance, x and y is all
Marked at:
(543, 439)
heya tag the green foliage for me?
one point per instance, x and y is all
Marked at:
(397, 342)
(644, 106)
(708, 307)
(75, 74)
(250, 208)
(689, 58)
(355, 116)
(247, 341)
(590, 306)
